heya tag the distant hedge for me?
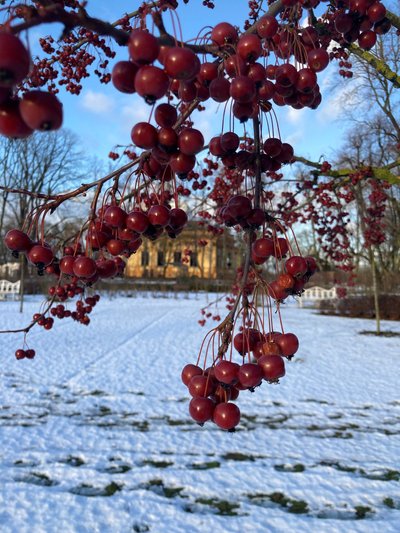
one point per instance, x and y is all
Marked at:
(363, 307)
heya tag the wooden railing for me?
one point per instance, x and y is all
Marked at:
(8, 288)
(315, 294)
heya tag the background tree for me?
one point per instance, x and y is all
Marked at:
(272, 61)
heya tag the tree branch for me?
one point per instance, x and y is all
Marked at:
(394, 19)
(380, 173)
(380, 66)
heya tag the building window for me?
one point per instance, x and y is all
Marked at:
(160, 259)
(193, 260)
(145, 258)
(177, 258)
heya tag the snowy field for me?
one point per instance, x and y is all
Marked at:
(95, 434)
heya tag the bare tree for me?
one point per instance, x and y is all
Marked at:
(44, 163)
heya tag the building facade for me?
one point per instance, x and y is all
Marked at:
(185, 257)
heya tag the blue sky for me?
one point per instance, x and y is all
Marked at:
(103, 117)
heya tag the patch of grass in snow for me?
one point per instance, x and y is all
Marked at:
(389, 502)
(72, 460)
(21, 463)
(95, 392)
(279, 498)
(90, 491)
(174, 422)
(222, 507)
(140, 528)
(237, 456)
(386, 475)
(337, 466)
(104, 410)
(298, 467)
(381, 334)
(116, 469)
(141, 425)
(157, 486)
(363, 511)
(156, 464)
(313, 400)
(39, 479)
(208, 465)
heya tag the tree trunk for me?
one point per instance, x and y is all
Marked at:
(375, 289)
(22, 280)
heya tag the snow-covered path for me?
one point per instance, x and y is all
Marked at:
(95, 433)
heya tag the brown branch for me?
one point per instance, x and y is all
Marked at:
(71, 20)
(25, 192)
(51, 12)
(27, 328)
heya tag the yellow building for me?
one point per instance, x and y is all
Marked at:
(184, 257)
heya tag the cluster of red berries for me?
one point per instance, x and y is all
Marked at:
(274, 156)
(36, 110)
(214, 389)
(63, 291)
(362, 21)
(82, 310)
(25, 354)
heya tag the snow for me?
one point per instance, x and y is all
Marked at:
(96, 437)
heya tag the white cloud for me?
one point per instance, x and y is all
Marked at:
(295, 116)
(97, 102)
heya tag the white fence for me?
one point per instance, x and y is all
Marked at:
(315, 294)
(8, 288)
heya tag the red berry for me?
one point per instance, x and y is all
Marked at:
(84, 267)
(30, 354)
(41, 110)
(17, 241)
(201, 385)
(181, 63)
(159, 215)
(318, 59)
(143, 47)
(123, 76)
(267, 26)
(40, 256)
(250, 375)
(137, 221)
(272, 366)
(67, 265)
(144, 135)
(224, 34)
(263, 247)
(226, 415)
(151, 83)
(288, 343)
(116, 246)
(178, 218)
(165, 115)
(191, 141)
(106, 268)
(201, 409)
(11, 122)
(226, 372)
(296, 266)
(115, 216)
(189, 371)
(14, 60)
(20, 354)
(249, 47)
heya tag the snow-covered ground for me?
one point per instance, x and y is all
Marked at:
(95, 434)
